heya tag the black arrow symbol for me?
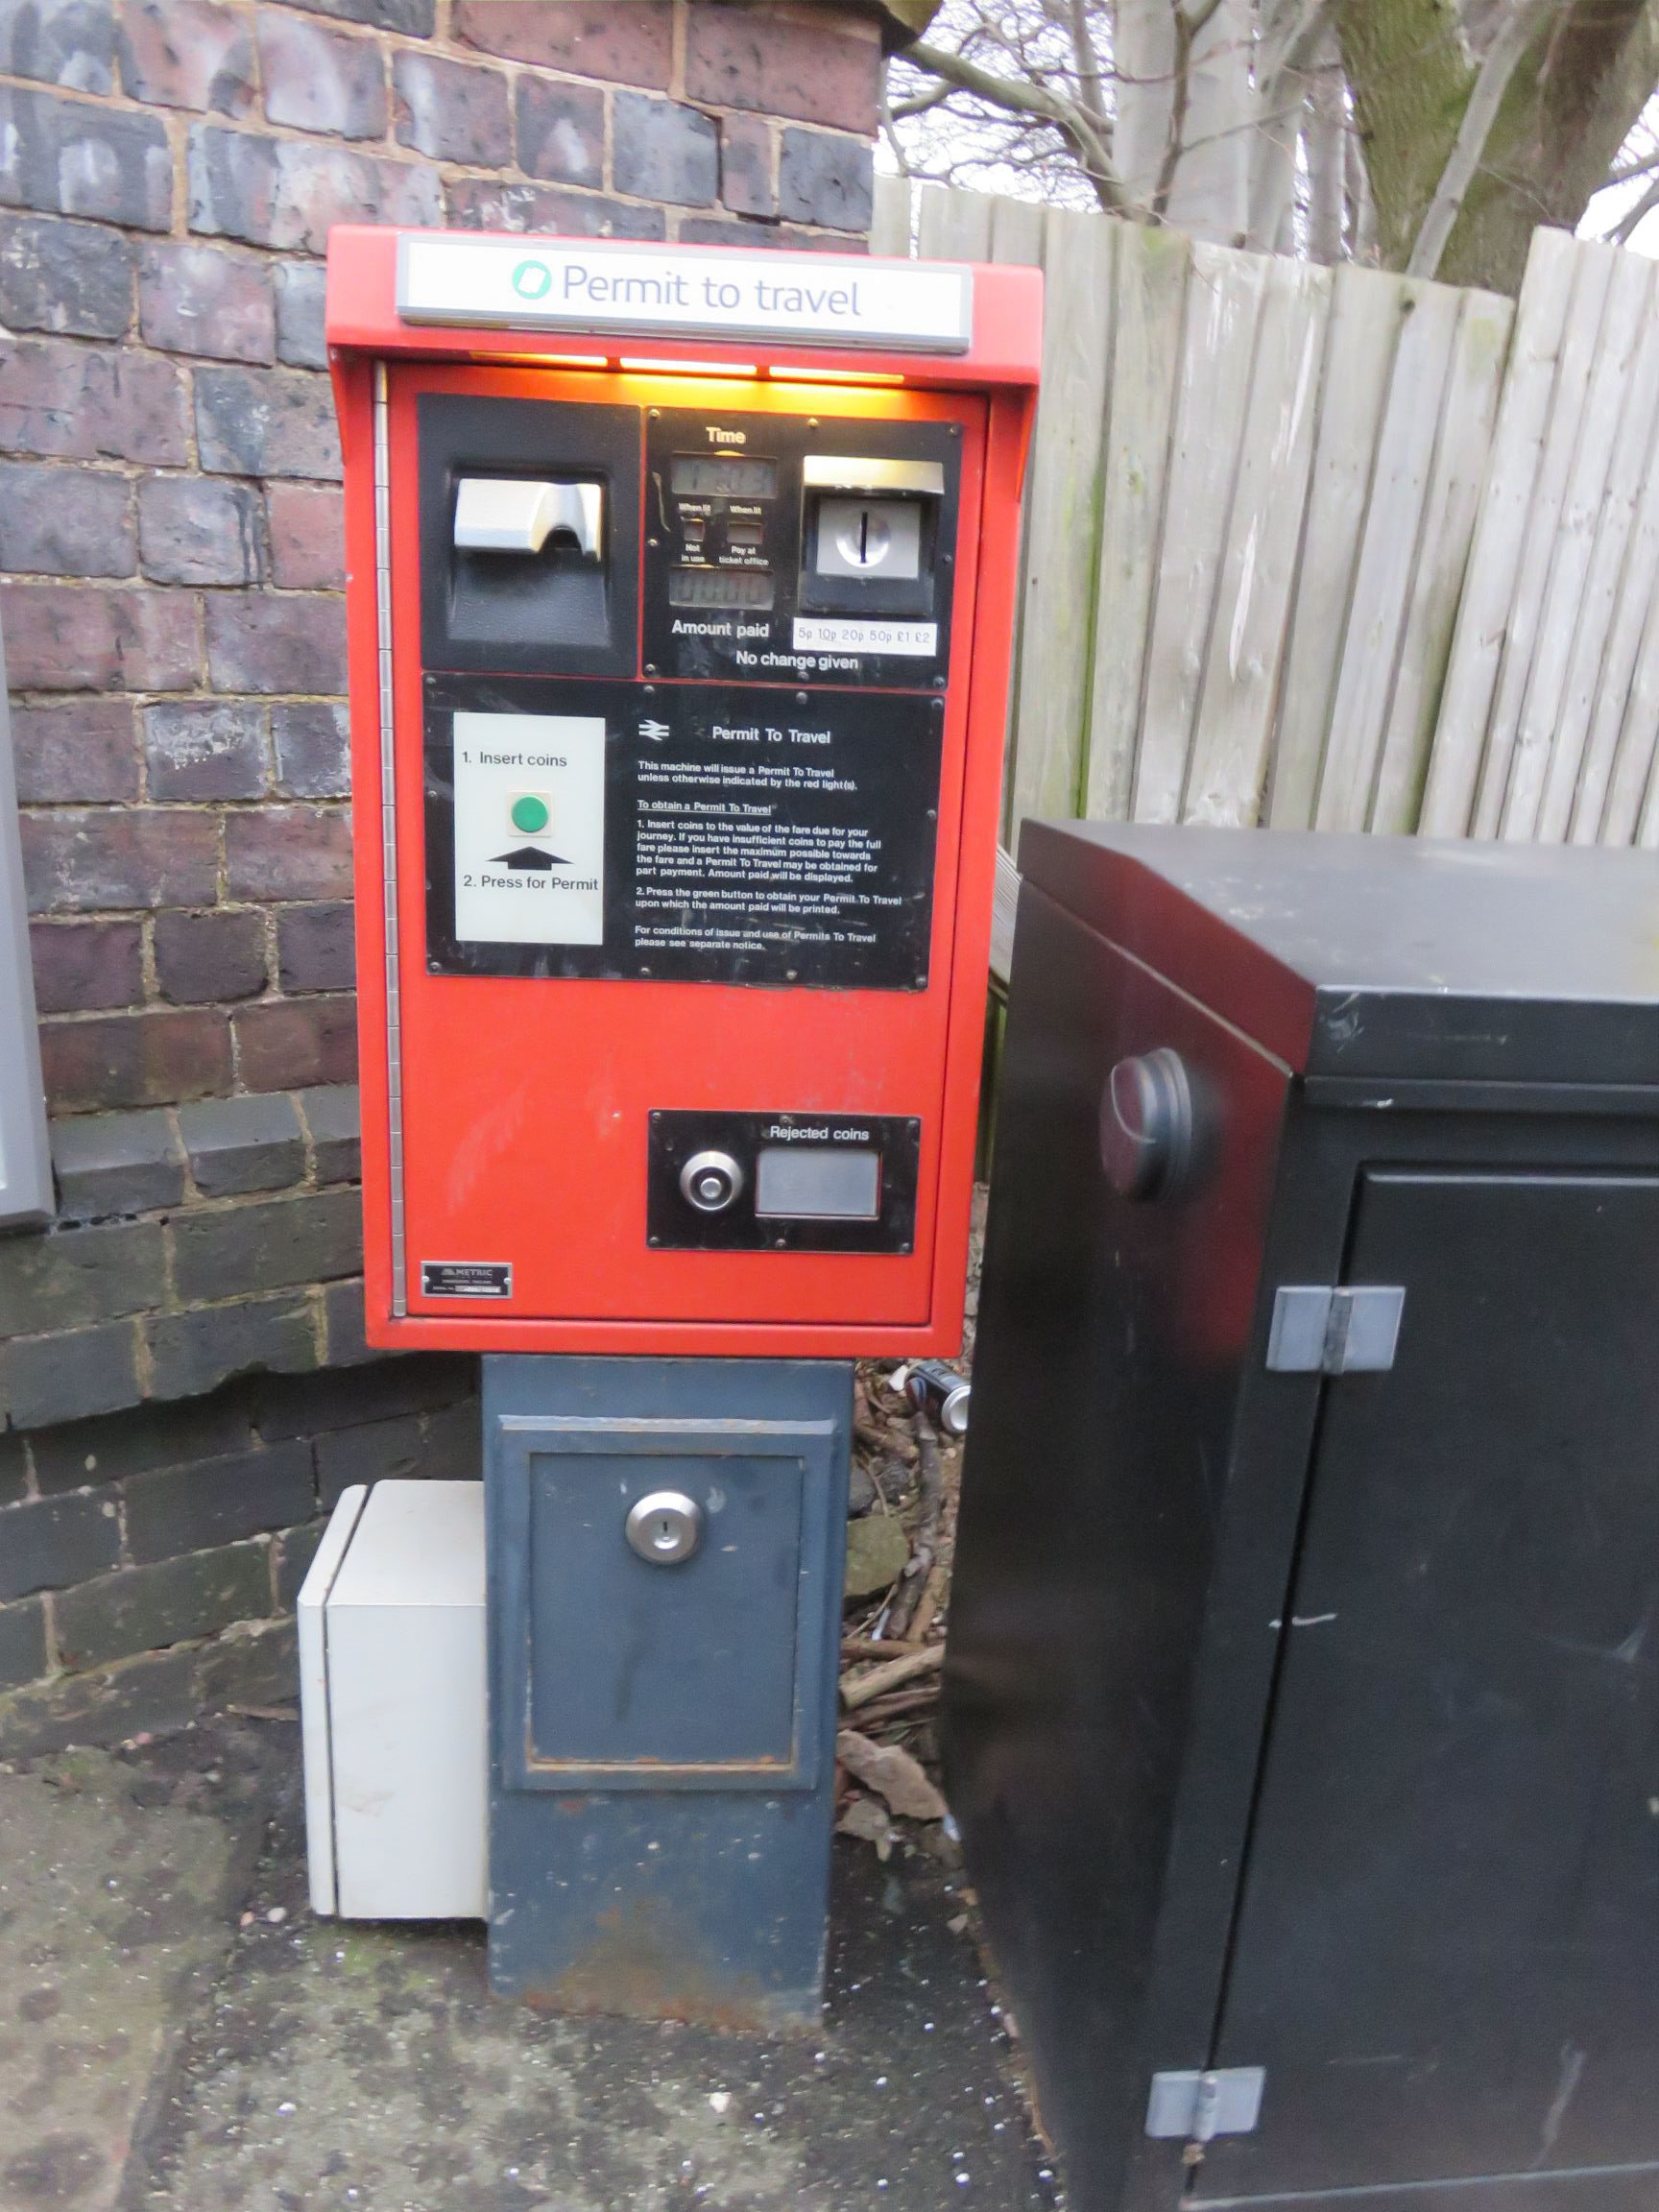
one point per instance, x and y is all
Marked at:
(528, 857)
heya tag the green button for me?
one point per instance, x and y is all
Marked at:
(530, 814)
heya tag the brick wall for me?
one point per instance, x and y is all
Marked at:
(170, 572)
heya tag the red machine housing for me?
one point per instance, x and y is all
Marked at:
(508, 1117)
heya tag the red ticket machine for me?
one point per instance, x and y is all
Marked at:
(680, 599)
(681, 586)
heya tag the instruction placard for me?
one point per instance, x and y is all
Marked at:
(698, 834)
(530, 829)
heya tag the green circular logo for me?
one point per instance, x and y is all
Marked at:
(532, 280)
(530, 814)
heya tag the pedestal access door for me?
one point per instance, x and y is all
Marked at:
(1446, 1952)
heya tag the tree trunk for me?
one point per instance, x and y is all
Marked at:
(1182, 135)
(1410, 74)
(1327, 143)
(1287, 34)
(1568, 108)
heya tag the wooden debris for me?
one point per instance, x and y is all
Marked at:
(862, 1688)
(890, 1771)
(925, 1544)
(903, 1705)
(868, 1817)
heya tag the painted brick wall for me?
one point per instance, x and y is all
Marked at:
(170, 573)
(169, 503)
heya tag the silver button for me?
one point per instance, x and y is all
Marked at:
(710, 1181)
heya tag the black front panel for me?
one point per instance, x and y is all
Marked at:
(702, 834)
(1447, 1955)
(783, 1182)
(553, 611)
(1112, 1335)
(746, 577)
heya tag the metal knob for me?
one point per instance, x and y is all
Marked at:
(710, 1181)
(1147, 1125)
(665, 1527)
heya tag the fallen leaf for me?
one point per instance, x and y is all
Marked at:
(867, 1820)
(890, 1771)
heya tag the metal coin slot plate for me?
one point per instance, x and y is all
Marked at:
(863, 1198)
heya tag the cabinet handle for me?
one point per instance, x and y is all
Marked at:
(1147, 1125)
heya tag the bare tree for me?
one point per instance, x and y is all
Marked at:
(1432, 136)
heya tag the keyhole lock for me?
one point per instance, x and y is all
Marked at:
(665, 1527)
(862, 542)
(710, 1181)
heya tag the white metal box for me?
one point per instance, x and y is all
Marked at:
(392, 1680)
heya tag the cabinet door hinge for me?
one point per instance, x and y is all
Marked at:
(1320, 1331)
(1196, 2106)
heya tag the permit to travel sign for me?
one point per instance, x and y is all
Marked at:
(576, 285)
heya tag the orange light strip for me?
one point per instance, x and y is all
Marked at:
(544, 360)
(833, 376)
(691, 368)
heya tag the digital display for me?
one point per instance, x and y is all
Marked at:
(720, 588)
(722, 476)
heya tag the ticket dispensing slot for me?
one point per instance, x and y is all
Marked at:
(509, 514)
(529, 535)
(870, 531)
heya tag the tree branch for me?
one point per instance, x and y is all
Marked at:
(920, 103)
(1502, 59)
(1626, 228)
(1180, 98)
(1087, 62)
(1017, 97)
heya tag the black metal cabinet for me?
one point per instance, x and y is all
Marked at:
(1301, 1704)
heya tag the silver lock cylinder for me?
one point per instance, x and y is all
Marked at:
(665, 1526)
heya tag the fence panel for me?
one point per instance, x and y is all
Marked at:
(1334, 549)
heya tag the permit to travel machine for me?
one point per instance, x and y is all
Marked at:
(681, 601)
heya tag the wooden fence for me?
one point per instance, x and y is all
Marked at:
(1329, 548)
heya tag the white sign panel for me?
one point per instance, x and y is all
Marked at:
(815, 635)
(561, 284)
(530, 829)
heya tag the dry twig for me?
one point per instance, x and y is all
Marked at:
(892, 1676)
(925, 1544)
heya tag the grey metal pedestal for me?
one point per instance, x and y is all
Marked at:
(665, 1555)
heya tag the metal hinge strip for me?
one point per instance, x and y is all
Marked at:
(1321, 1330)
(1190, 2106)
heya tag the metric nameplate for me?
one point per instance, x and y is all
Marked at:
(715, 833)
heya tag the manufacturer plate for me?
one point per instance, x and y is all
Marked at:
(466, 1279)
